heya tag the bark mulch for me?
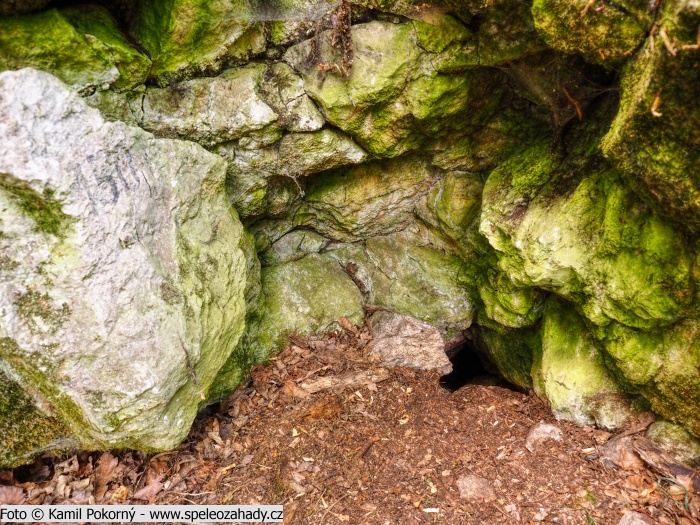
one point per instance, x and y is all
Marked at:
(335, 438)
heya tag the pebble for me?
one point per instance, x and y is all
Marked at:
(542, 432)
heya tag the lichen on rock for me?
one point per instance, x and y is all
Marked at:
(126, 297)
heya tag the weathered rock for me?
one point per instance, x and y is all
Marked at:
(397, 92)
(302, 154)
(400, 340)
(635, 518)
(603, 36)
(507, 32)
(81, 46)
(373, 198)
(654, 139)
(213, 110)
(293, 246)
(25, 429)
(305, 297)
(122, 281)
(542, 432)
(571, 373)
(510, 350)
(185, 37)
(620, 453)
(400, 274)
(662, 366)
(675, 441)
(283, 90)
(475, 488)
(576, 229)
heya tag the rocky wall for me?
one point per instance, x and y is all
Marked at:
(522, 172)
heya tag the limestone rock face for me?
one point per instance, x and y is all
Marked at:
(195, 36)
(306, 296)
(121, 277)
(589, 239)
(571, 374)
(81, 46)
(400, 340)
(407, 82)
(654, 139)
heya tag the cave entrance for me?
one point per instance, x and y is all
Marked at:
(470, 365)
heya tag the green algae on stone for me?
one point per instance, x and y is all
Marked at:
(185, 37)
(373, 198)
(236, 369)
(44, 209)
(654, 139)
(95, 21)
(509, 350)
(574, 228)
(507, 32)
(402, 274)
(570, 372)
(307, 296)
(675, 441)
(49, 41)
(603, 36)
(395, 94)
(510, 305)
(24, 429)
(662, 365)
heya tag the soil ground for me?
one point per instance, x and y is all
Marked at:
(325, 431)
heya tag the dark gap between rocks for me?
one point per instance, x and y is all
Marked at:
(469, 366)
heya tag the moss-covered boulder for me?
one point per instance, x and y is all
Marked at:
(187, 37)
(604, 34)
(304, 297)
(403, 274)
(122, 289)
(24, 428)
(570, 372)
(374, 198)
(407, 82)
(81, 46)
(654, 138)
(576, 229)
(661, 365)
(676, 441)
(510, 350)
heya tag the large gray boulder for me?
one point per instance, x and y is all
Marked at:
(121, 273)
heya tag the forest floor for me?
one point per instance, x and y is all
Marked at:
(326, 432)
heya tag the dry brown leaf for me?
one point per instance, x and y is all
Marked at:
(11, 495)
(292, 389)
(104, 473)
(150, 490)
(324, 409)
(686, 481)
(346, 324)
(121, 493)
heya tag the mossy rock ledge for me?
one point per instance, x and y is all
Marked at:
(186, 183)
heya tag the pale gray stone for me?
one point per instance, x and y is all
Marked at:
(542, 432)
(635, 518)
(475, 488)
(121, 277)
(400, 340)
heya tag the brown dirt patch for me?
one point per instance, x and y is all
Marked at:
(370, 446)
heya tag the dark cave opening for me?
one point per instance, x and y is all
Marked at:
(470, 366)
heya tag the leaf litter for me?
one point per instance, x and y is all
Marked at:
(325, 431)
